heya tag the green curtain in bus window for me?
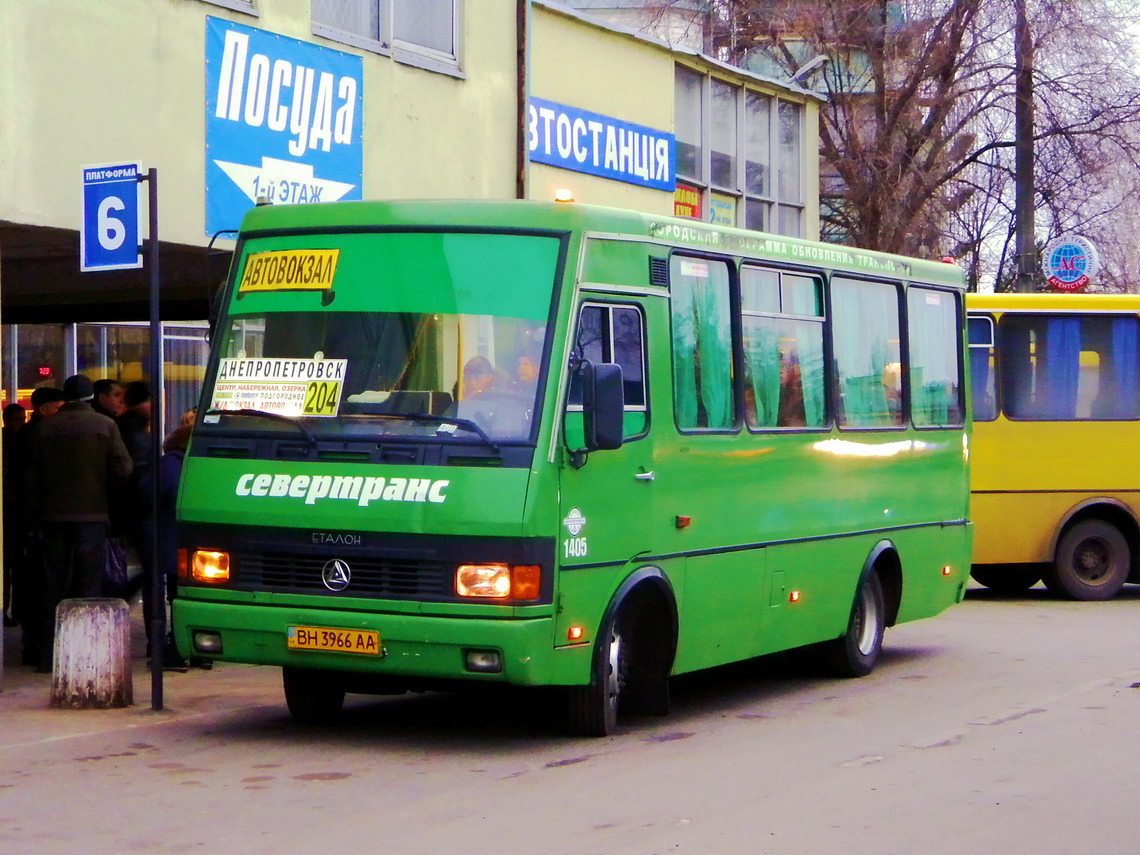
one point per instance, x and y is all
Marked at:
(866, 335)
(762, 362)
(702, 343)
(933, 342)
(809, 353)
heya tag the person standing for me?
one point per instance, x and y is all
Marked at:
(134, 424)
(14, 421)
(27, 584)
(76, 459)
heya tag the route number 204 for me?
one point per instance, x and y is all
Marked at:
(321, 398)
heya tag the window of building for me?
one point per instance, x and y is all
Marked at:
(782, 322)
(246, 6)
(424, 33)
(702, 343)
(688, 125)
(868, 360)
(935, 376)
(739, 155)
(1069, 367)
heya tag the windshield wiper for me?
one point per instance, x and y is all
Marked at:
(263, 414)
(427, 418)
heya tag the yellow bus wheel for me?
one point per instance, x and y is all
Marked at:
(1092, 562)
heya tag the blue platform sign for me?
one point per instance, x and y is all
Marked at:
(283, 122)
(110, 237)
(582, 141)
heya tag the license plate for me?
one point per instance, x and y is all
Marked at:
(340, 640)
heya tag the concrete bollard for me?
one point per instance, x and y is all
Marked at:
(92, 664)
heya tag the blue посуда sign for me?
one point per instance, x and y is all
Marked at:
(283, 122)
(567, 137)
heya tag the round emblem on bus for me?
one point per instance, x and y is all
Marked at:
(574, 522)
(336, 574)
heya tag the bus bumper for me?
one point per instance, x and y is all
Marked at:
(411, 646)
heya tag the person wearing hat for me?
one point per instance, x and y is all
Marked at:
(46, 401)
(76, 459)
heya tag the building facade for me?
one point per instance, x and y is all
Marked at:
(236, 102)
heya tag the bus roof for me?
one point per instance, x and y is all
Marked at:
(598, 220)
(1054, 302)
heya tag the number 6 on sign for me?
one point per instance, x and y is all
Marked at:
(110, 236)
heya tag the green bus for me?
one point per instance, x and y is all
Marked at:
(549, 444)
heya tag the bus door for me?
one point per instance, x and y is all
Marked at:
(606, 496)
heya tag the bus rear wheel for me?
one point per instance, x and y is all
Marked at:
(1092, 562)
(313, 697)
(855, 653)
(592, 709)
(1007, 578)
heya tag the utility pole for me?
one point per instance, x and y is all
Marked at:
(1025, 241)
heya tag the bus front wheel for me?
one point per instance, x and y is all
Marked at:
(592, 709)
(855, 653)
(1092, 562)
(313, 697)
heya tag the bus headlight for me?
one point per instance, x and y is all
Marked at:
(210, 566)
(498, 581)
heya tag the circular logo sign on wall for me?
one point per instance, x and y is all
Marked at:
(1070, 263)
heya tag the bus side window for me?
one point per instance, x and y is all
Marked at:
(983, 364)
(865, 324)
(615, 333)
(1068, 367)
(935, 375)
(782, 321)
(702, 343)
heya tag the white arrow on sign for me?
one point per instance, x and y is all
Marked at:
(283, 182)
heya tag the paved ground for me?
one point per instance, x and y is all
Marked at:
(26, 717)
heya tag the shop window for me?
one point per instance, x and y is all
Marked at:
(702, 344)
(424, 33)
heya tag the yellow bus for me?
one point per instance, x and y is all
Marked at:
(1055, 483)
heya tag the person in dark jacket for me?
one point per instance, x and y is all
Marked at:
(134, 424)
(27, 584)
(76, 459)
(15, 419)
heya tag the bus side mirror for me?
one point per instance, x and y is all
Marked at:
(603, 405)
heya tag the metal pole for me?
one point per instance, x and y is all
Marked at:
(1026, 248)
(522, 52)
(157, 580)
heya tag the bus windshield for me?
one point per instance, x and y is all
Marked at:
(434, 355)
